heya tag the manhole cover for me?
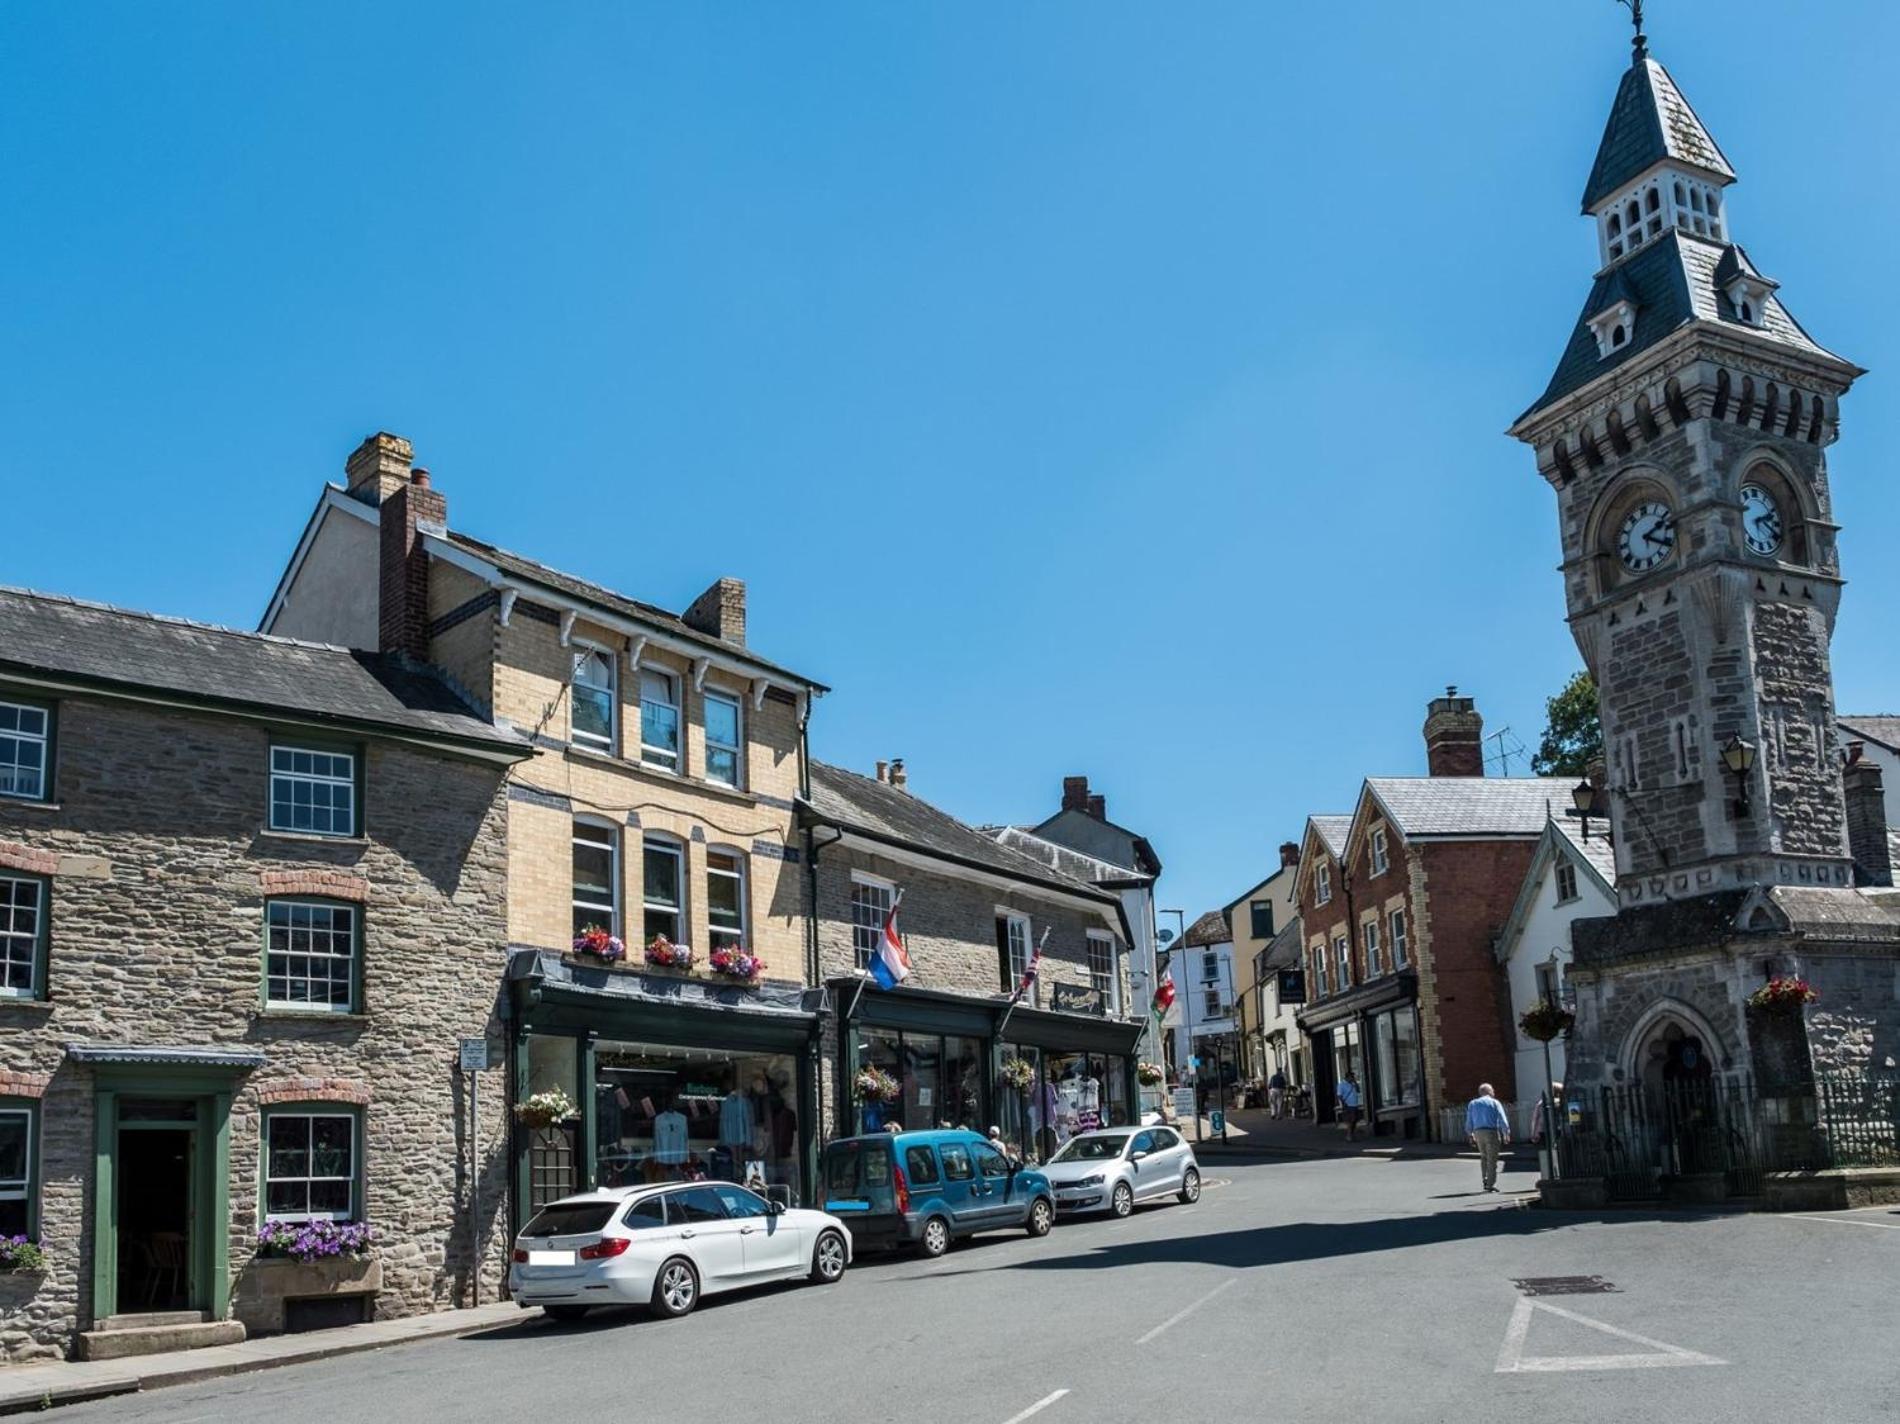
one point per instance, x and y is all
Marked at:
(1564, 1285)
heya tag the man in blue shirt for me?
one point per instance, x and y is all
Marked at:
(1489, 1129)
(1348, 1095)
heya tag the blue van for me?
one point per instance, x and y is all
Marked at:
(924, 1189)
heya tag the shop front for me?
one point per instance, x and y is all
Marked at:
(1371, 1033)
(670, 1079)
(961, 1060)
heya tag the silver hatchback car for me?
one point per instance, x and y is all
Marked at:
(1113, 1168)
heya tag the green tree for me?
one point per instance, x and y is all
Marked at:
(1573, 738)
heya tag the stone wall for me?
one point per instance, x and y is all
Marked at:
(1855, 1026)
(157, 938)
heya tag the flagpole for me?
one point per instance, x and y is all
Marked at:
(1017, 997)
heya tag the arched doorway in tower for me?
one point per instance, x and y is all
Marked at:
(1672, 1060)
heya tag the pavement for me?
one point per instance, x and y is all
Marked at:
(1254, 1131)
(1375, 1286)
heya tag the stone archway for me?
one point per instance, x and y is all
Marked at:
(1670, 1043)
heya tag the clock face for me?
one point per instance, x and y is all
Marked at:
(1647, 536)
(1761, 520)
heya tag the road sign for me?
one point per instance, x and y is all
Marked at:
(474, 1055)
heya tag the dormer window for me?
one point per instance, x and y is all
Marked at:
(1613, 327)
(1748, 293)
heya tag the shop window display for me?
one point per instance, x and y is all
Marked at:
(688, 1115)
(942, 1080)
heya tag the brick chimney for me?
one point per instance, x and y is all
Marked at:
(719, 612)
(403, 624)
(1866, 819)
(1289, 854)
(1075, 793)
(883, 771)
(1098, 806)
(378, 467)
(900, 779)
(1454, 736)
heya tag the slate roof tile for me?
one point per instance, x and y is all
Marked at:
(1423, 806)
(59, 636)
(1649, 122)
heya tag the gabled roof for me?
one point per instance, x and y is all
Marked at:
(1671, 283)
(1253, 891)
(1467, 807)
(1881, 730)
(881, 812)
(1146, 861)
(1210, 928)
(1596, 878)
(1332, 832)
(1649, 122)
(1287, 948)
(222, 669)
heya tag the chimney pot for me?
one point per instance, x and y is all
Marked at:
(1289, 853)
(883, 771)
(899, 777)
(419, 477)
(1098, 806)
(1075, 793)
(1454, 736)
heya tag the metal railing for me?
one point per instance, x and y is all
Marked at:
(1644, 1140)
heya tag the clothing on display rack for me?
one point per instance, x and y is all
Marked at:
(735, 1119)
(669, 1137)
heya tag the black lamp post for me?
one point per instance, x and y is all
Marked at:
(1739, 757)
(1583, 796)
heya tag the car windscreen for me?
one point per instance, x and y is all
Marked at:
(584, 1218)
(1091, 1149)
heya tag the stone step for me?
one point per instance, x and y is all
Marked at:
(148, 1319)
(157, 1339)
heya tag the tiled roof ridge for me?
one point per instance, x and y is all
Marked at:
(174, 620)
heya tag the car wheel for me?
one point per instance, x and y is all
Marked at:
(1190, 1187)
(1042, 1216)
(676, 1288)
(827, 1261)
(1122, 1200)
(936, 1238)
(566, 1314)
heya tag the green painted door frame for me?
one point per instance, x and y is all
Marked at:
(210, 1264)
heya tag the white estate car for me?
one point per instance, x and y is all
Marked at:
(1113, 1168)
(667, 1246)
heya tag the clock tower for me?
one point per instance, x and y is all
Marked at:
(1684, 432)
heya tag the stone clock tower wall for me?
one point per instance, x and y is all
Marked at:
(1684, 432)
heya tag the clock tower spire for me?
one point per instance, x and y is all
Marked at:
(1684, 432)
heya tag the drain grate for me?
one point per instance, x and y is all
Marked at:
(1564, 1285)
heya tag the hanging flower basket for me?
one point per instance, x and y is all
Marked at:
(314, 1240)
(1150, 1075)
(664, 954)
(1783, 996)
(545, 1109)
(1545, 1020)
(20, 1255)
(874, 1085)
(595, 943)
(729, 961)
(1017, 1074)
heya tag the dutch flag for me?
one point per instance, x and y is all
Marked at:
(890, 964)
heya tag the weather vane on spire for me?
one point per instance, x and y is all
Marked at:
(1641, 43)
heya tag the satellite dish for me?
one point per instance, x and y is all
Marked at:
(1164, 935)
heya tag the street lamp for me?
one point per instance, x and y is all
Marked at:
(1739, 757)
(1583, 796)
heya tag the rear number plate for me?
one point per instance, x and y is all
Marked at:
(550, 1258)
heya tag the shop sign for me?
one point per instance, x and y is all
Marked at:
(1079, 999)
(474, 1055)
(1184, 1102)
(1292, 986)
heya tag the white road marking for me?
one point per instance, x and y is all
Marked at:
(1848, 1221)
(1185, 1312)
(1036, 1408)
(1513, 1360)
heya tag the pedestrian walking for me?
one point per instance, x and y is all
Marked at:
(1349, 1099)
(1276, 1094)
(1489, 1129)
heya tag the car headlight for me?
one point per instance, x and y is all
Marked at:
(1094, 1181)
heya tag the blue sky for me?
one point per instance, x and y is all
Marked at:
(1081, 388)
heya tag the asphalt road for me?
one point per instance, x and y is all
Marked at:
(1318, 1289)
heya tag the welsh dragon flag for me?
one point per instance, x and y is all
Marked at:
(1164, 997)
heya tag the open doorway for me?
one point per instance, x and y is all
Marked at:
(155, 1183)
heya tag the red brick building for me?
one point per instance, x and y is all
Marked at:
(1400, 903)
